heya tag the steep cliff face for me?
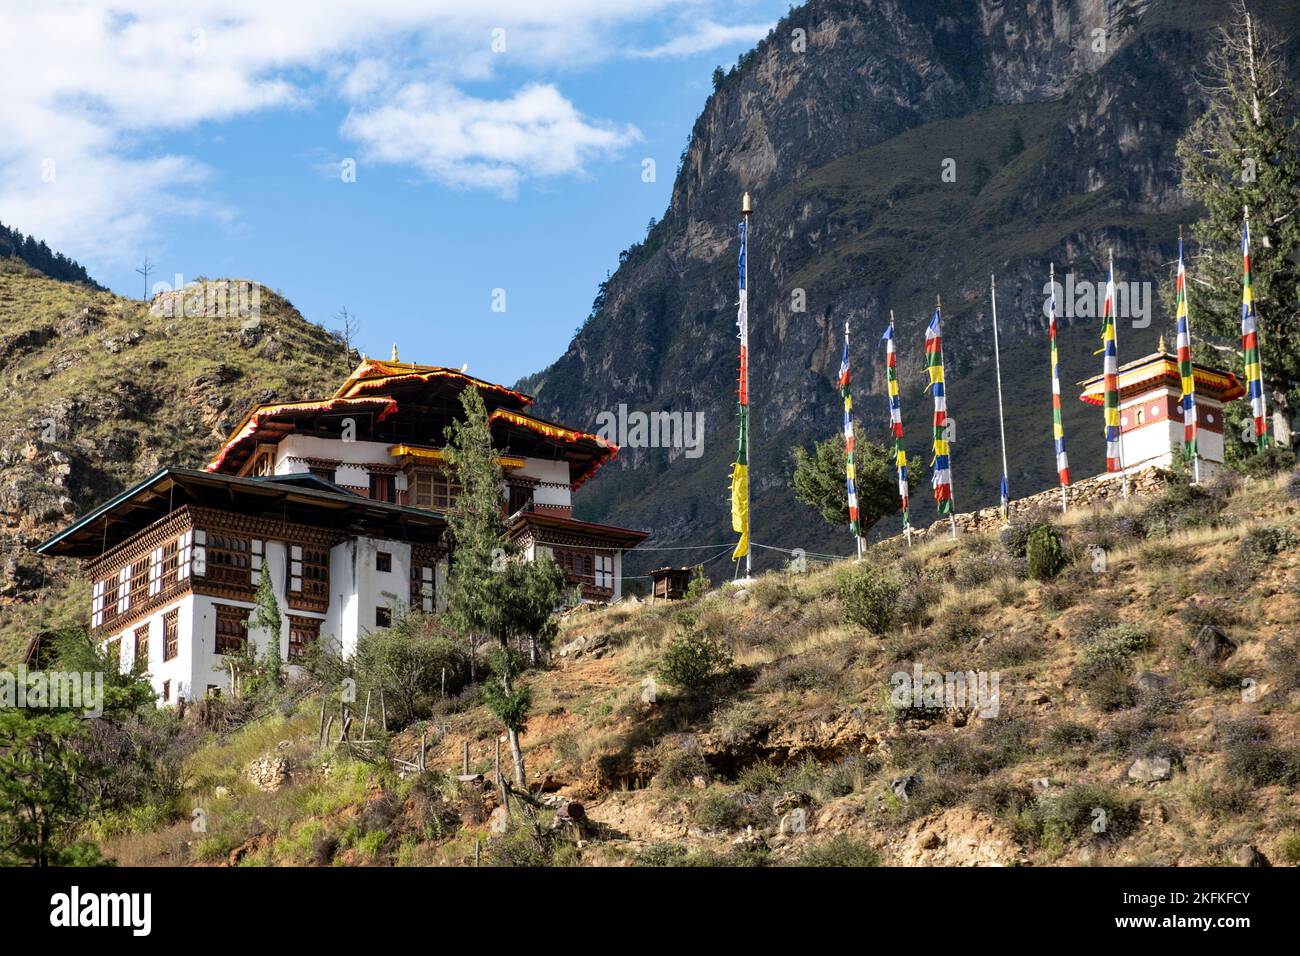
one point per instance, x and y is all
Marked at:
(1056, 123)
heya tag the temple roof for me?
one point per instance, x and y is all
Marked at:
(1161, 368)
(622, 537)
(413, 403)
(296, 498)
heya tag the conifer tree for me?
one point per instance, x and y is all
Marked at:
(1243, 151)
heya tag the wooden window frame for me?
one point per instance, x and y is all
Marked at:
(304, 632)
(229, 559)
(141, 648)
(171, 634)
(226, 616)
(384, 562)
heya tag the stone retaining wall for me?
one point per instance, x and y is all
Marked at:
(1090, 491)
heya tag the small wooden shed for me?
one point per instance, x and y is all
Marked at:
(669, 583)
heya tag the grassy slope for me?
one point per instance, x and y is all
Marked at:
(121, 415)
(812, 715)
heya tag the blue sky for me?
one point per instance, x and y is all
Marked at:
(210, 139)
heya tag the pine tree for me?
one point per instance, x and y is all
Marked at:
(819, 481)
(1244, 152)
(266, 616)
(474, 524)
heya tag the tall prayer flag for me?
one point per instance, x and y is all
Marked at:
(1188, 400)
(1058, 429)
(1110, 376)
(942, 471)
(896, 418)
(848, 436)
(1250, 342)
(740, 470)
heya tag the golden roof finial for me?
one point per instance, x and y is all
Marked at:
(394, 351)
(1160, 347)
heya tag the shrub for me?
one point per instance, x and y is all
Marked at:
(1087, 812)
(1069, 734)
(731, 811)
(406, 663)
(759, 777)
(1182, 507)
(699, 585)
(693, 661)
(1056, 598)
(870, 599)
(1293, 486)
(1262, 543)
(1290, 847)
(1220, 802)
(1252, 757)
(1045, 554)
(841, 850)
(678, 765)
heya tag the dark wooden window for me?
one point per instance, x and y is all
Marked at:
(170, 557)
(232, 628)
(139, 581)
(303, 633)
(142, 645)
(171, 634)
(383, 617)
(167, 691)
(325, 474)
(520, 498)
(383, 561)
(112, 592)
(228, 559)
(576, 564)
(383, 487)
(421, 575)
(316, 573)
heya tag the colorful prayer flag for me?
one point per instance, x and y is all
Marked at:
(1250, 343)
(848, 436)
(1188, 400)
(1110, 376)
(740, 470)
(942, 471)
(896, 419)
(1058, 429)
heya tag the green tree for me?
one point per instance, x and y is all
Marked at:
(474, 524)
(819, 481)
(50, 769)
(523, 599)
(1244, 151)
(266, 616)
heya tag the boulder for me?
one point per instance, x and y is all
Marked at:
(904, 786)
(1211, 645)
(1150, 769)
(1248, 855)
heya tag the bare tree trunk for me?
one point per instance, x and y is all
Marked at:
(518, 754)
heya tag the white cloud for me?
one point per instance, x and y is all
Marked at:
(706, 36)
(493, 144)
(97, 86)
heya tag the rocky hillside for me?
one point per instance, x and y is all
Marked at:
(97, 392)
(1061, 121)
(1122, 733)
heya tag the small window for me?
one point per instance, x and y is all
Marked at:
(383, 617)
(167, 691)
(383, 487)
(324, 474)
(171, 634)
(303, 633)
(383, 561)
(142, 645)
(231, 628)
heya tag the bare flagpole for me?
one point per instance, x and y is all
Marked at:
(1002, 428)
